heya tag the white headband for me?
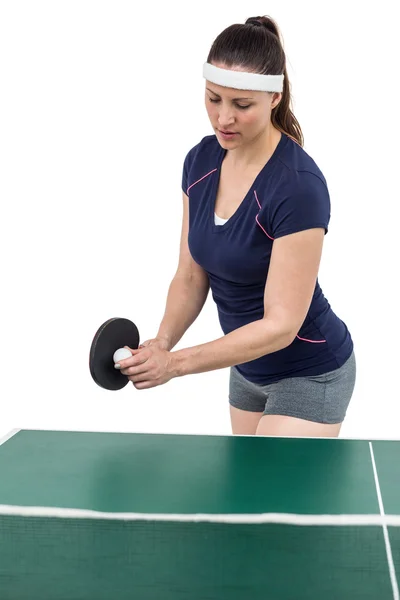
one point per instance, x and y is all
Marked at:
(241, 80)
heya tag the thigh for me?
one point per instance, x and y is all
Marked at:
(277, 425)
(244, 422)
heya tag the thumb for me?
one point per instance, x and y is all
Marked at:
(133, 351)
(146, 343)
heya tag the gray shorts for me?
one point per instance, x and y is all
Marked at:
(320, 398)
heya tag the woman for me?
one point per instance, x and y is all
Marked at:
(259, 211)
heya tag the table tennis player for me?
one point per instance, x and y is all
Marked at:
(259, 209)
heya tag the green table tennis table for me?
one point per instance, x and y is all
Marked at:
(115, 516)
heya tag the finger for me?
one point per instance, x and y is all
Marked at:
(140, 377)
(132, 361)
(134, 350)
(136, 372)
(144, 385)
(145, 344)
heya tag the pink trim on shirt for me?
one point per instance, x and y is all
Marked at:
(187, 191)
(258, 222)
(311, 341)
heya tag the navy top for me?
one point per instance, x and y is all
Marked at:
(289, 194)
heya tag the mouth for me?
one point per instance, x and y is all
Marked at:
(227, 135)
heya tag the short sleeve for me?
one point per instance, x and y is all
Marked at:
(194, 159)
(185, 172)
(303, 203)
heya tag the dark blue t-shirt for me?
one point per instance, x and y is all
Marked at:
(289, 194)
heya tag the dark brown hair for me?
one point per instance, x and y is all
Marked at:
(257, 47)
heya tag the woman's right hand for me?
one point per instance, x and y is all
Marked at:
(157, 341)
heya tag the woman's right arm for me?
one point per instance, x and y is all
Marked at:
(187, 292)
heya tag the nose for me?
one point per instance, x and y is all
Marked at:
(225, 118)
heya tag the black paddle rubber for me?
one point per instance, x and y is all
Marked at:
(112, 335)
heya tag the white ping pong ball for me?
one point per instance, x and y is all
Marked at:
(121, 354)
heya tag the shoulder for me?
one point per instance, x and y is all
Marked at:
(299, 198)
(298, 169)
(306, 184)
(200, 160)
(206, 147)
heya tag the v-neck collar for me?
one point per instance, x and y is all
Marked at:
(242, 206)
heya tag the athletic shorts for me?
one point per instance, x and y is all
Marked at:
(320, 398)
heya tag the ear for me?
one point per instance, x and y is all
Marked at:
(276, 98)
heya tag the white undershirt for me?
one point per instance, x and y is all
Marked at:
(218, 220)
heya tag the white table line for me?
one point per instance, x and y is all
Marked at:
(392, 570)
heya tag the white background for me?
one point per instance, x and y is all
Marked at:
(100, 103)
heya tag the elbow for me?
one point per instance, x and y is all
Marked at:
(282, 330)
(290, 337)
(287, 338)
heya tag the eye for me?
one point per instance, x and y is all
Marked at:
(238, 105)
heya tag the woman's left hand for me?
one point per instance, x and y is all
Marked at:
(148, 367)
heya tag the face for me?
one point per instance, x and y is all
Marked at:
(247, 113)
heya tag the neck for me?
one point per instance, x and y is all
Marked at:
(258, 152)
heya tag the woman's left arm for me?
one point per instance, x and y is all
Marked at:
(289, 289)
(292, 276)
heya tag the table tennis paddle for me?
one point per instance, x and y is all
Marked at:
(111, 336)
